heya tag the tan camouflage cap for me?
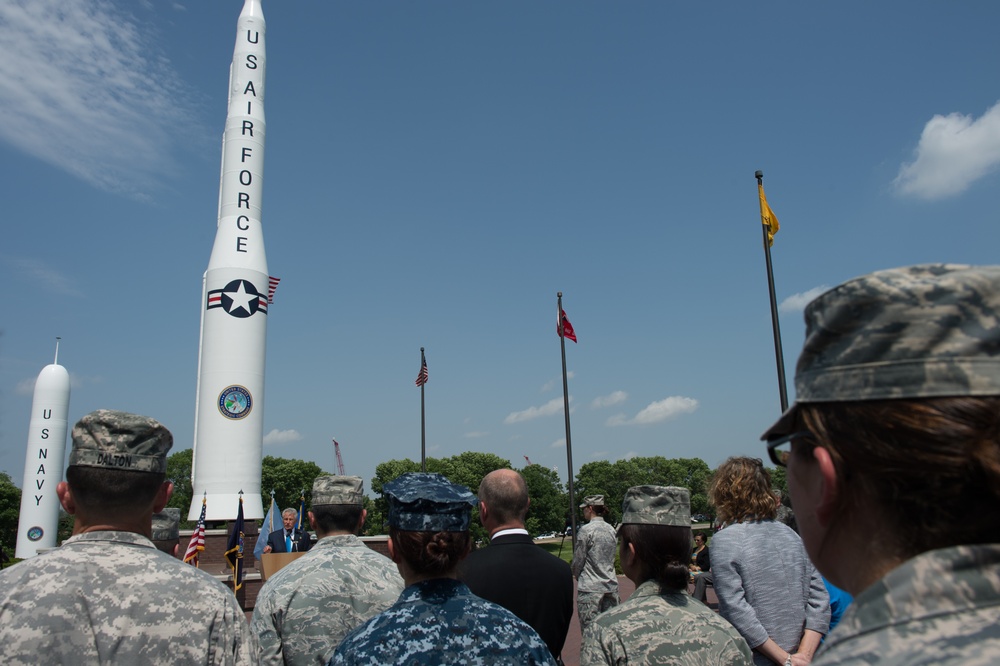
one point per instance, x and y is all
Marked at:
(917, 332)
(426, 502)
(333, 489)
(119, 440)
(166, 524)
(657, 505)
(593, 500)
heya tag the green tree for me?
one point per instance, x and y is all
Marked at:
(613, 479)
(179, 471)
(547, 512)
(10, 510)
(467, 469)
(288, 478)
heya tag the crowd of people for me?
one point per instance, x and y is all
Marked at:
(895, 432)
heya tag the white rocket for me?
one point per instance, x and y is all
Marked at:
(43, 463)
(229, 415)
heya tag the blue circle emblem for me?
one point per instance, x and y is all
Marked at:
(35, 533)
(235, 402)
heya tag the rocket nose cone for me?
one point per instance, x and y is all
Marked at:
(53, 377)
(252, 8)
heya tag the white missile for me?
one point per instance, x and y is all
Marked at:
(38, 521)
(229, 414)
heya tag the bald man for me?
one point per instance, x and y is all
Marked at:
(512, 571)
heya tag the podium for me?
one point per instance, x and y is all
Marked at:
(272, 563)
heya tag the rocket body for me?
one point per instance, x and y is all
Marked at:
(229, 414)
(38, 520)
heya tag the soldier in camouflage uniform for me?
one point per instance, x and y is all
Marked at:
(307, 608)
(896, 433)
(660, 623)
(166, 534)
(107, 595)
(594, 563)
(437, 620)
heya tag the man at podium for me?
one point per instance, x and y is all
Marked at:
(288, 539)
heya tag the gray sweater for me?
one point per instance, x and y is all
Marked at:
(766, 585)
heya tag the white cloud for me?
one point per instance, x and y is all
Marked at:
(599, 454)
(554, 406)
(662, 410)
(609, 400)
(85, 88)
(954, 152)
(558, 444)
(551, 384)
(798, 302)
(38, 273)
(278, 437)
(630, 455)
(476, 434)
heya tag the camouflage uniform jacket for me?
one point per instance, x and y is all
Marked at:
(941, 607)
(671, 629)
(307, 608)
(112, 598)
(594, 557)
(441, 622)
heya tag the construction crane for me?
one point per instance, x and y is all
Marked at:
(340, 461)
(527, 459)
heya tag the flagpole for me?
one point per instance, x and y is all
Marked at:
(423, 428)
(778, 356)
(569, 441)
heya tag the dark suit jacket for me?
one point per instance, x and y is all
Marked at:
(301, 541)
(534, 585)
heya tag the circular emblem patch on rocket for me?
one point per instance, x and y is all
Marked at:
(235, 402)
(239, 298)
(35, 533)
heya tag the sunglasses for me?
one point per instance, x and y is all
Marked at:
(780, 449)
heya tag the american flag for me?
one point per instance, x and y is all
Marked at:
(197, 543)
(422, 377)
(272, 285)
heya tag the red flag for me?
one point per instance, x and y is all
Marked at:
(197, 543)
(567, 328)
(422, 376)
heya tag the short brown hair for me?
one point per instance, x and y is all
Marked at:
(930, 467)
(741, 490)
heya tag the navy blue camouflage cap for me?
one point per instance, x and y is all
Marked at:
(333, 489)
(166, 525)
(428, 502)
(925, 331)
(119, 440)
(657, 505)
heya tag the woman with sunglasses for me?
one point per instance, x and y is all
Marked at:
(766, 585)
(896, 431)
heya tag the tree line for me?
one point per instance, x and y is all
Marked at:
(549, 513)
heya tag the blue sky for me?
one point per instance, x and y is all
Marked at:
(437, 171)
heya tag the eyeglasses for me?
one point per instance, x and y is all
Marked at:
(780, 449)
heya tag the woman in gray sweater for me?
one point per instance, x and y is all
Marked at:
(766, 585)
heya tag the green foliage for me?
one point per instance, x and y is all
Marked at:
(548, 500)
(613, 479)
(467, 469)
(179, 471)
(10, 511)
(288, 478)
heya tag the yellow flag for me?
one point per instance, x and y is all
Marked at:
(767, 216)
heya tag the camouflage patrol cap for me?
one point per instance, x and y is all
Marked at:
(166, 524)
(423, 502)
(925, 331)
(119, 440)
(593, 500)
(657, 505)
(333, 489)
